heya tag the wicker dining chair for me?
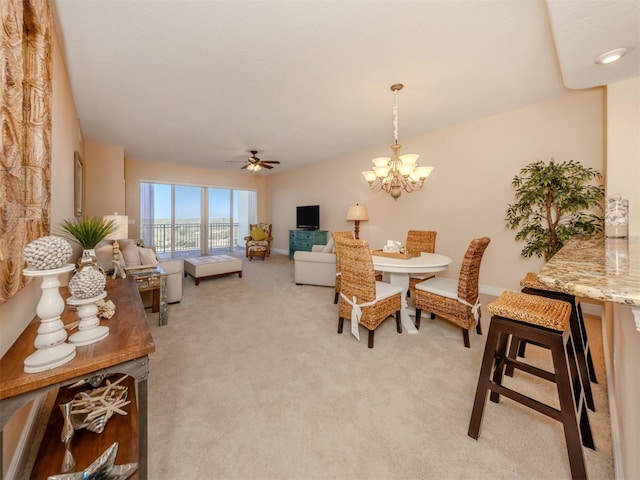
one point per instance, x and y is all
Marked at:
(419, 241)
(376, 300)
(334, 235)
(455, 300)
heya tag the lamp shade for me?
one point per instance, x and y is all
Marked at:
(358, 212)
(121, 223)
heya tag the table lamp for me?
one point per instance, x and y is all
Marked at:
(357, 213)
(121, 231)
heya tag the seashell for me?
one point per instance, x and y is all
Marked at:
(87, 283)
(47, 253)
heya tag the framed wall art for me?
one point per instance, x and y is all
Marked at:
(77, 183)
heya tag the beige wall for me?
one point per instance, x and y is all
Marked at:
(145, 170)
(103, 179)
(623, 146)
(468, 192)
(16, 314)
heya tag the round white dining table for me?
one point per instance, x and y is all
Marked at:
(398, 271)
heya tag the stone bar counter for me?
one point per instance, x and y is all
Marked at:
(608, 269)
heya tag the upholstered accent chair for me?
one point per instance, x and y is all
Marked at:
(363, 300)
(455, 300)
(259, 235)
(419, 241)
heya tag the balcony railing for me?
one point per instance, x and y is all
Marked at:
(188, 236)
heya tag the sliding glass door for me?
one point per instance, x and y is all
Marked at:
(182, 220)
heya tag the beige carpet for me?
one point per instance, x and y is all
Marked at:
(251, 381)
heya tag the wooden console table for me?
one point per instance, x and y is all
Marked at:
(125, 350)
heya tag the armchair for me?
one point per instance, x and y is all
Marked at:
(259, 235)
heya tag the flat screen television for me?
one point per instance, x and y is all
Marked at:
(308, 217)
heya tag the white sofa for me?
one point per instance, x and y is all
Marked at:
(315, 267)
(135, 257)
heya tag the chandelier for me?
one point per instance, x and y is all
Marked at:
(400, 172)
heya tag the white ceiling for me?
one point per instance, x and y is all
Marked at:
(203, 82)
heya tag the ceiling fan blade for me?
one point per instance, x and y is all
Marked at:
(270, 161)
(262, 164)
(244, 166)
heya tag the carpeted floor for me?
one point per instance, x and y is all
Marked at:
(251, 381)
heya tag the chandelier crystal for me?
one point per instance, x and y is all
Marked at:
(398, 172)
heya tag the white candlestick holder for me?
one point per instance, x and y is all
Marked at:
(51, 348)
(89, 329)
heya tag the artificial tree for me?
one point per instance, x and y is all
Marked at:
(555, 201)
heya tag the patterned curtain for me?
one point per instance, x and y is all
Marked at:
(25, 123)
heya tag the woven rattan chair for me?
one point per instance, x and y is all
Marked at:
(455, 301)
(419, 241)
(334, 235)
(266, 242)
(376, 301)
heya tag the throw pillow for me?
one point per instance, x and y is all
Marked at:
(258, 234)
(148, 256)
(129, 253)
(104, 254)
(328, 248)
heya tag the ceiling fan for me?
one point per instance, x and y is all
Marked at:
(254, 163)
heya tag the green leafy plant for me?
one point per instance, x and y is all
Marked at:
(88, 232)
(555, 201)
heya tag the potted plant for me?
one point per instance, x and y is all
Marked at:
(88, 232)
(555, 201)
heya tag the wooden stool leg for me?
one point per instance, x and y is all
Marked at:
(583, 329)
(340, 324)
(577, 334)
(371, 332)
(568, 411)
(501, 359)
(398, 322)
(514, 353)
(418, 315)
(483, 381)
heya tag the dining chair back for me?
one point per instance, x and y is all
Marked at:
(455, 301)
(334, 235)
(362, 299)
(419, 241)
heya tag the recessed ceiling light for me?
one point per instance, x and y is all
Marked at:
(611, 56)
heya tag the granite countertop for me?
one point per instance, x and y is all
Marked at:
(597, 267)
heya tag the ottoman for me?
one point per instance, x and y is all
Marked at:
(257, 251)
(211, 267)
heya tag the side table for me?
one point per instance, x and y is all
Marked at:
(153, 279)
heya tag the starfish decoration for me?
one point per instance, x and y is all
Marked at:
(93, 409)
(102, 468)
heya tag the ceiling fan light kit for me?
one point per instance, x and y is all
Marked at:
(254, 164)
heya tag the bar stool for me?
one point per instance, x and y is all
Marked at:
(544, 322)
(533, 286)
